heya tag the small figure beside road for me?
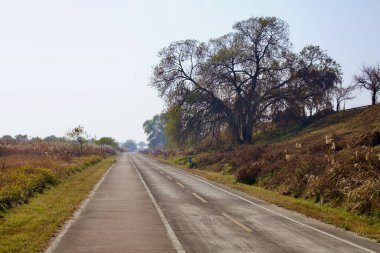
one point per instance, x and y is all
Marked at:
(190, 161)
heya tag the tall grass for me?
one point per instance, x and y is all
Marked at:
(30, 166)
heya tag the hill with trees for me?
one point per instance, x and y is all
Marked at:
(223, 89)
(246, 104)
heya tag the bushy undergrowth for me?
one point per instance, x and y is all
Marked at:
(30, 167)
(336, 164)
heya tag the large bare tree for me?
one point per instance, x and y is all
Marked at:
(235, 79)
(369, 79)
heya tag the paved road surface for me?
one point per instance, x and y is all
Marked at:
(118, 217)
(192, 215)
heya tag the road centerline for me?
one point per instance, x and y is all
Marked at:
(171, 234)
(181, 185)
(237, 223)
(273, 212)
(199, 197)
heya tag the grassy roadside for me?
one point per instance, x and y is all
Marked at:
(30, 227)
(365, 226)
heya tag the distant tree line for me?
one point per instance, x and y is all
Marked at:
(76, 136)
(230, 84)
(131, 145)
(79, 138)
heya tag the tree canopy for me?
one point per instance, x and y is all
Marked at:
(142, 145)
(130, 145)
(154, 128)
(241, 78)
(79, 136)
(107, 141)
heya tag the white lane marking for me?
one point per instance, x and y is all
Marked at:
(169, 177)
(176, 243)
(335, 250)
(237, 222)
(274, 212)
(199, 197)
(82, 206)
(180, 184)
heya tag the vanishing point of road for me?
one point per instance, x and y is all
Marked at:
(141, 205)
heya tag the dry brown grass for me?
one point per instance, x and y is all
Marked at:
(31, 166)
(334, 161)
(362, 225)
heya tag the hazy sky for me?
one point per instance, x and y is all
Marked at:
(64, 63)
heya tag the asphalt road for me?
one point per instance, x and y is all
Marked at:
(118, 216)
(207, 217)
(142, 205)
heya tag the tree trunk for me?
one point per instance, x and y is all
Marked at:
(235, 133)
(236, 121)
(374, 97)
(248, 129)
(337, 106)
(247, 135)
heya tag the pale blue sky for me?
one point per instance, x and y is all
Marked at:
(64, 63)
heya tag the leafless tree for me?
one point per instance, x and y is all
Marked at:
(341, 93)
(369, 79)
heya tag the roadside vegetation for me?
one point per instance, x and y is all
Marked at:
(329, 170)
(29, 166)
(42, 181)
(246, 110)
(30, 227)
(363, 225)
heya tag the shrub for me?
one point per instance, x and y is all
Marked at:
(368, 139)
(19, 184)
(248, 174)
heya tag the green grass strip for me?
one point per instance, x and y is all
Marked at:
(30, 227)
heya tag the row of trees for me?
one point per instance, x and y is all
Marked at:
(131, 145)
(250, 75)
(77, 136)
